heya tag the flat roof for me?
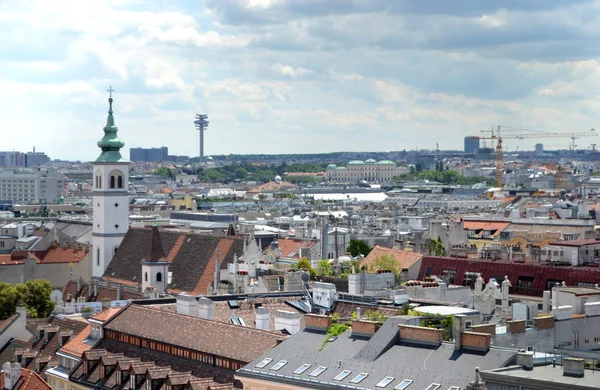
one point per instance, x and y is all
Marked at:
(445, 310)
(546, 373)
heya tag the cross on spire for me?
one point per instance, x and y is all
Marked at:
(110, 90)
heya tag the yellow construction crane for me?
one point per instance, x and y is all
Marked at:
(496, 134)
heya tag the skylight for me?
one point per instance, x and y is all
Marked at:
(386, 381)
(279, 364)
(433, 386)
(318, 371)
(301, 369)
(264, 363)
(342, 375)
(454, 388)
(359, 377)
(403, 385)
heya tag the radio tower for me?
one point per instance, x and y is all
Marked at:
(201, 123)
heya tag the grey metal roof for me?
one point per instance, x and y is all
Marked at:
(382, 355)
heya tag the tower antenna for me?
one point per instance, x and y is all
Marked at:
(201, 123)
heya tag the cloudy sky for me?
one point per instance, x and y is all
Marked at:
(294, 76)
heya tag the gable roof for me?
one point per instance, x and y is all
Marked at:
(192, 257)
(226, 340)
(156, 255)
(405, 258)
(78, 345)
(289, 248)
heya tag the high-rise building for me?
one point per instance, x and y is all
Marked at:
(149, 154)
(36, 159)
(471, 144)
(539, 148)
(31, 185)
(110, 197)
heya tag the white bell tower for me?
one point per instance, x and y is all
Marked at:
(110, 196)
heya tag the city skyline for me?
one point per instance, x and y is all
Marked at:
(295, 76)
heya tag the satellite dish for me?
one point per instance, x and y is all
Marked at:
(305, 277)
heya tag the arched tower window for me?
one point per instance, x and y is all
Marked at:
(98, 183)
(159, 277)
(116, 179)
(145, 276)
(120, 182)
(112, 181)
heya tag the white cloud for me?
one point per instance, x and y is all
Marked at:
(287, 70)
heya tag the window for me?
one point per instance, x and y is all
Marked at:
(318, 371)
(98, 257)
(278, 366)
(403, 385)
(359, 378)
(112, 181)
(120, 182)
(1, 244)
(454, 388)
(386, 381)
(159, 277)
(264, 363)
(342, 375)
(145, 276)
(433, 386)
(301, 369)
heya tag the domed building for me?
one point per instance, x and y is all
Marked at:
(369, 170)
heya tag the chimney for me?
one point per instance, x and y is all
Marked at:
(518, 326)
(525, 360)
(458, 328)
(79, 284)
(546, 302)
(317, 322)
(12, 374)
(96, 287)
(364, 328)
(217, 279)
(187, 305)
(574, 367)
(205, 308)
(421, 335)
(119, 292)
(263, 318)
(288, 320)
(91, 288)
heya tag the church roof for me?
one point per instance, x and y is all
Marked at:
(156, 255)
(191, 255)
(110, 144)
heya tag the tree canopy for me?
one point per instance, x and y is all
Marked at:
(165, 172)
(442, 176)
(37, 298)
(358, 247)
(9, 298)
(385, 262)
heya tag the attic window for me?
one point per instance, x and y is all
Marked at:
(264, 363)
(301, 369)
(318, 371)
(433, 386)
(342, 375)
(278, 366)
(403, 385)
(386, 381)
(359, 378)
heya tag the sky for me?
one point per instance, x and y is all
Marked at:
(295, 76)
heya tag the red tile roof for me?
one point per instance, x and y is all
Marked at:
(484, 225)
(29, 381)
(107, 314)
(288, 246)
(576, 243)
(405, 258)
(60, 255)
(77, 346)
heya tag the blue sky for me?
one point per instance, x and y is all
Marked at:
(295, 76)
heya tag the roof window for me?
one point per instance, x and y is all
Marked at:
(318, 371)
(301, 369)
(342, 375)
(385, 381)
(279, 364)
(403, 385)
(264, 363)
(359, 378)
(433, 386)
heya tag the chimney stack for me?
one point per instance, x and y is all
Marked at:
(79, 284)
(12, 374)
(205, 308)
(91, 288)
(187, 305)
(574, 367)
(288, 320)
(263, 318)
(119, 292)
(317, 322)
(525, 359)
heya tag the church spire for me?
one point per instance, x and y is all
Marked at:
(110, 144)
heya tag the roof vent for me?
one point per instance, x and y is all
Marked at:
(574, 367)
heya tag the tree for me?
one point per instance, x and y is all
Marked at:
(165, 172)
(358, 247)
(324, 268)
(37, 298)
(385, 262)
(9, 298)
(240, 173)
(304, 265)
(436, 247)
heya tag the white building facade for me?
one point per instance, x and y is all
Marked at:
(369, 170)
(31, 185)
(110, 197)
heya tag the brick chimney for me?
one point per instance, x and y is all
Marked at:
(516, 326)
(364, 328)
(421, 334)
(317, 322)
(541, 323)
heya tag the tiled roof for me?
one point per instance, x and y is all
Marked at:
(271, 186)
(156, 253)
(78, 345)
(485, 225)
(404, 258)
(104, 292)
(107, 314)
(60, 255)
(191, 256)
(194, 333)
(289, 246)
(7, 322)
(29, 381)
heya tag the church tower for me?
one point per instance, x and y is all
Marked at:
(110, 196)
(155, 266)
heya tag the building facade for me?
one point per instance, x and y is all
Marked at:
(149, 154)
(369, 170)
(110, 197)
(31, 186)
(471, 144)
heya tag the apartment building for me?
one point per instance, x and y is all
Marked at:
(31, 186)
